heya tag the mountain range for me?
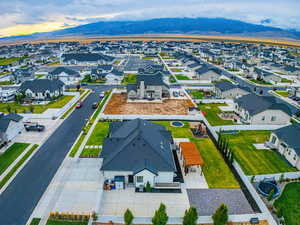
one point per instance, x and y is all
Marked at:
(199, 26)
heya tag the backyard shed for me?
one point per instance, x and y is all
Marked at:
(190, 157)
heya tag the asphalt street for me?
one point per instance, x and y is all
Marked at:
(18, 201)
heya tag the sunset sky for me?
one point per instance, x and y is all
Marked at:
(29, 16)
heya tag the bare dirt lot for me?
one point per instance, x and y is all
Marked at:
(118, 105)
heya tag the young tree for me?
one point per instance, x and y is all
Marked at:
(271, 194)
(220, 217)
(148, 187)
(128, 217)
(190, 216)
(160, 216)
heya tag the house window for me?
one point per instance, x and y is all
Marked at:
(263, 118)
(273, 118)
(139, 179)
(273, 139)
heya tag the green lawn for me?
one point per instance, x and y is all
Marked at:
(53, 63)
(260, 82)
(8, 82)
(283, 93)
(35, 221)
(10, 155)
(148, 57)
(90, 152)
(77, 146)
(255, 161)
(15, 107)
(289, 203)
(18, 165)
(4, 73)
(66, 222)
(182, 77)
(216, 171)
(8, 61)
(117, 62)
(284, 80)
(197, 94)
(129, 79)
(99, 133)
(211, 112)
(39, 75)
(175, 70)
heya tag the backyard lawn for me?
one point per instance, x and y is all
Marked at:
(216, 171)
(283, 93)
(99, 133)
(8, 61)
(15, 107)
(10, 155)
(197, 94)
(182, 77)
(129, 79)
(289, 203)
(255, 161)
(211, 112)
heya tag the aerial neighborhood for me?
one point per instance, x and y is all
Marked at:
(103, 130)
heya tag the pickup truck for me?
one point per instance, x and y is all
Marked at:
(34, 127)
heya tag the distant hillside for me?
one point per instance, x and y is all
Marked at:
(203, 26)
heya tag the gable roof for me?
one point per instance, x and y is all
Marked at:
(68, 71)
(290, 135)
(86, 57)
(136, 145)
(6, 119)
(41, 85)
(225, 86)
(255, 104)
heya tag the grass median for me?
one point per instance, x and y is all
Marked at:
(18, 165)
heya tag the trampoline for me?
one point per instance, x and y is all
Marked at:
(266, 186)
(177, 124)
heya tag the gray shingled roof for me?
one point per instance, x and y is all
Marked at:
(255, 104)
(137, 144)
(225, 86)
(41, 85)
(290, 135)
(5, 120)
(59, 70)
(86, 57)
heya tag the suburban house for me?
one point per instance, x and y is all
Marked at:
(139, 151)
(10, 126)
(207, 73)
(286, 141)
(86, 59)
(7, 94)
(151, 87)
(107, 73)
(266, 76)
(21, 75)
(42, 89)
(254, 109)
(66, 75)
(227, 89)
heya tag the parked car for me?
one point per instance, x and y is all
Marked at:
(84, 84)
(95, 105)
(79, 105)
(34, 127)
(102, 94)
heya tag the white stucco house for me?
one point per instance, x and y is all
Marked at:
(139, 151)
(66, 75)
(286, 141)
(229, 90)
(261, 110)
(10, 126)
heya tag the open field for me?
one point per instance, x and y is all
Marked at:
(289, 204)
(252, 160)
(166, 37)
(118, 105)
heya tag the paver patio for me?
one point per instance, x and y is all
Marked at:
(118, 105)
(115, 203)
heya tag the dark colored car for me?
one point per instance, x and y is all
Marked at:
(34, 127)
(95, 105)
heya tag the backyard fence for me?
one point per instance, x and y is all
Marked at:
(276, 176)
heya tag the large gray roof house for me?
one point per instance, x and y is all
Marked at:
(140, 151)
(42, 89)
(254, 109)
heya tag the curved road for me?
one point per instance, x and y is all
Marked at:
(18, 201)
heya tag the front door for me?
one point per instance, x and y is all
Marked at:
(130, 179)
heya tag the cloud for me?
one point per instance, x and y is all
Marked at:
(278, 13)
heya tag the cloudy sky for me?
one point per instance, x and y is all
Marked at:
(28, 16)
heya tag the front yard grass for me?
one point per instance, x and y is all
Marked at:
(182, 77)
(90, 152)
(175, 70)
(129, 79)
(66, 222)
(262, 82)
(211, 112)
(252, 160)
(16, 107)
(289, 203)
(197, 94)
(284, 80)
(283, 93)
(7, 82)
(10, 155)
(216, 171)
(35, 221)
(18, 165)
(99, 133)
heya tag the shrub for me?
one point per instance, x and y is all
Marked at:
(148, 187)
(128, 217)
(160, 216)
(190, 216)
(220, 217)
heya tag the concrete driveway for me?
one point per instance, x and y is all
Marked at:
(38, 137)
(115, 203)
